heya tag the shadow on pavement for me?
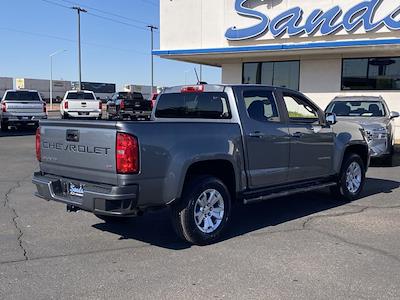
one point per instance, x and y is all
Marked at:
(155, 228)
(386, 162)
(26, 131)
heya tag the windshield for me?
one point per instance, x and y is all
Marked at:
(80, 96)
(22, 96)
(357, 108)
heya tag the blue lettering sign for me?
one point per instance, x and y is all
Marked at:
(289, 22)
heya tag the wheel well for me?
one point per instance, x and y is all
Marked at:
(360, 150)
(222, 169)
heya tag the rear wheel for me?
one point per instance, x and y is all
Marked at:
(4, 126)
(203, 213)
(65, 116)
(351, 178)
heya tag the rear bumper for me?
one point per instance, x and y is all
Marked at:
(23, 119)
(97, 198)
(130, 113)
(84, 114)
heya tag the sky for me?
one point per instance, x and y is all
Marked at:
(114, 51)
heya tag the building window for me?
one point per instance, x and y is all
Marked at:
(381, 73)
(282, 73)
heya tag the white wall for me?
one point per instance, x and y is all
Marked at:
(232, 73)
(193, 24)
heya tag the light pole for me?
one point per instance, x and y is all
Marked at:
(51, 75)
(79, 10)
(152, 28)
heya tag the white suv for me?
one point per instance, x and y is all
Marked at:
(80, 104)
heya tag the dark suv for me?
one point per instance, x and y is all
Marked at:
(127, 105)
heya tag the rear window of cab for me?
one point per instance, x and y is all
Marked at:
(22, 96)
(208, 105)
(80, 96)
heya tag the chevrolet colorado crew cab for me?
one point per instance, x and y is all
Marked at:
(206, 147)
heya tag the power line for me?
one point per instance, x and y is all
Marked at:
(99, 16)
(70, 40)
(107, 12)
(55, 3)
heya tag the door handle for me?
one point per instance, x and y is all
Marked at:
(256, 134)
(297, 135)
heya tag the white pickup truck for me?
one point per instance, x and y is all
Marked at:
(21, 108)
(80, 104)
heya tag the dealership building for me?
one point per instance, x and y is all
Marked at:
(324, 48)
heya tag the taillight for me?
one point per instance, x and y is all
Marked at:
(38, 148)
(122, 104)
(3, 107)
(127, 154)
(100, 105)
(66, 105)
(193, 89)
(44, 108)
(152, 104)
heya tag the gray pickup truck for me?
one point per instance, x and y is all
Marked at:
(206, 147)
(21, 108)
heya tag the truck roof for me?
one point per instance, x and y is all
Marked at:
(358, 98)
(219, 87)
(22, 90)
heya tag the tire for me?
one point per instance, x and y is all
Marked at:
(65, 116)
(212, 220)
(4, 126)
(112, 219)
(347, 189)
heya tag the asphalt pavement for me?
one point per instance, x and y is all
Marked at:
(308, 246)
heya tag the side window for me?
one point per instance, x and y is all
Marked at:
(299, 110)
(261, 105)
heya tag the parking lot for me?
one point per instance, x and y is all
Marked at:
(306, 246)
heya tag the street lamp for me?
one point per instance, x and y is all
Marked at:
(51, 75)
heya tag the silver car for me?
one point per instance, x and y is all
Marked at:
(373, 114)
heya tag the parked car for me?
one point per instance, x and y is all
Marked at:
(373, 114)
(80, 104)
(21, 108)
(128, 105)
(206, 147)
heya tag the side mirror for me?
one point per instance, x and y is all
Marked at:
(394, 114)
(331, 119)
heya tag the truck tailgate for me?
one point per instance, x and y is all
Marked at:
(81, 150)
(24, 108)
(83, 105)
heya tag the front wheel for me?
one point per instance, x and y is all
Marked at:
(351, 179)
(202, 215)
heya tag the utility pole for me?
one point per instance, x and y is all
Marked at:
(79, 10)
(152, 28)
(51, 76)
